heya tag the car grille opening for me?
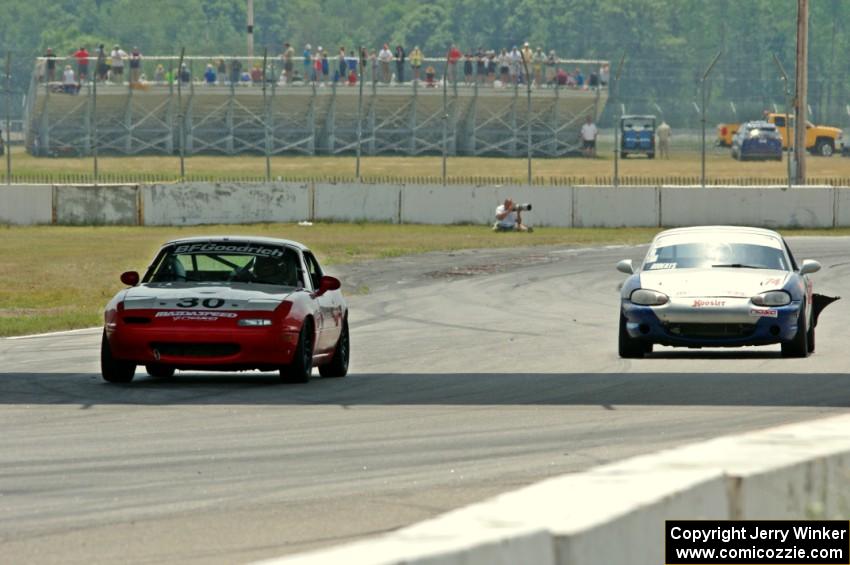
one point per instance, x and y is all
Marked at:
(711, 330)
(196, 349)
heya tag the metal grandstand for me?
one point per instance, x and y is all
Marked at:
(307, 118)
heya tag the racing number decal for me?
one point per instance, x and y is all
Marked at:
(206, 303)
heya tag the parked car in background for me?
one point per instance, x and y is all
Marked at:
(757, 140)
(638, 136)
(820, 140)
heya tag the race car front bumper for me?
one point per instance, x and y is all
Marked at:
(224, 348)
(711, 322)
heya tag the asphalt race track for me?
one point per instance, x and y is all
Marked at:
(472, 374)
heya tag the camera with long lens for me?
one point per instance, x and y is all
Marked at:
(521, 207)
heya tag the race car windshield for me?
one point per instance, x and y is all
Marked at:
(217, 263)
(715, 255)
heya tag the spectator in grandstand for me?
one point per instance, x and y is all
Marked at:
(135, 65)
(467, 69)
(257, 74)
(341, 65)
(101, 66)
(308, 63)
(430, 74)
(515, 61)
(373, 65)
(82, 57)
(491, 66)
(117, 55)
(385, 56)
(525, 61)
(416, 62)
(562, 77)
(49, 65)
(209, 75)
(588, 138)
(235, 71)
(159, 74)
(504, 66)
(537, 62)
(69, 81)
(400, 57)
(480, 66)
(221, 71)
(352, 78)
(288, 55)
(453, 58)
(604, 75)
(551, 67)
(318, 66)
(326, 67)
(579, 78)
(185, 74)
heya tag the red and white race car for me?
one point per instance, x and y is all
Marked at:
(227, 304)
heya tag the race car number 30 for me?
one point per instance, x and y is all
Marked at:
(206, 302)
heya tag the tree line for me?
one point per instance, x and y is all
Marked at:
(667, 43)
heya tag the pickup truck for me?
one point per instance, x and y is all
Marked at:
(820, 140)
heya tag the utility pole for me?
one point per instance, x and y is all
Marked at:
(527, 112)
(180, 114)
(786, 140)
(251, 30)
(702, 84)
(617, 123)
(800, 99)
(9, 117)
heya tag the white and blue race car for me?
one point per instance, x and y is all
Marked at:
(719, 286)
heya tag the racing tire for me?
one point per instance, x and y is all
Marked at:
(810, 339)
(629, 347)
(160, 371)
(338, 367)
(113, 370)
(824, 148)
(302, 360)
(799, 346)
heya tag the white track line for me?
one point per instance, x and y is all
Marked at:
(51, 334)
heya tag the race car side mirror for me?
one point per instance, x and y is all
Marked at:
(625, 266)
(809, 266)
(328, 283)
(130, 278)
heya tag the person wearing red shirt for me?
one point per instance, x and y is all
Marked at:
(82, 56)
(454, 57)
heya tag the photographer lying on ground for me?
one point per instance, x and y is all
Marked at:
(509, 218)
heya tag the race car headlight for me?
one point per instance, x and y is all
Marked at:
(254, 322)
(646, 297)
(772, 298)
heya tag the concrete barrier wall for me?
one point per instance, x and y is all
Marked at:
(810, 207)
(357, 202)
(225, 203)
(26, 204)
(616, 513)
(96, 205)
(616, 207)
(230, 203)
(551, 206)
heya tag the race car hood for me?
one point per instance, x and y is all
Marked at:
(232, 297)
(727, 282)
